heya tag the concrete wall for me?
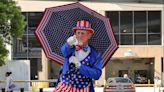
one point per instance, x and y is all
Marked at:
(28, 6)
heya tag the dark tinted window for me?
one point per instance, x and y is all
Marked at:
(34, 18)
(126, 22)
(114, 18)
(126, 39)
(136, 27)
(154, 39)
(154, 22)
(140, 39)
(140, 22)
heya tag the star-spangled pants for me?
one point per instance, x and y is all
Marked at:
(68, 88)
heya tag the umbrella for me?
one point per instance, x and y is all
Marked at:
(56, 26)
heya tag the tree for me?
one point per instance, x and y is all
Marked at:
(12, 24)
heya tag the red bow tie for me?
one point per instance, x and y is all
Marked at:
(78, 47)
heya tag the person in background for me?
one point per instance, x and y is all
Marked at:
(9, 82)
(126, 76)
(82, 63)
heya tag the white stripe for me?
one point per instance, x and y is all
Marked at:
(87, 24)
(82, 23)
(59, 87)
(78, 24)
(81, 90)
(74, 89)
(85, 89)
(68, 89)
(65, 87)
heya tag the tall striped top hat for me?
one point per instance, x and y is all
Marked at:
(83, 25)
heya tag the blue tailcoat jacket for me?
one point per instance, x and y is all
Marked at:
(94, 72)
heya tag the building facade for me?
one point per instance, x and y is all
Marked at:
(138, 28)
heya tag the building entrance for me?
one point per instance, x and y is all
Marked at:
(139, 70)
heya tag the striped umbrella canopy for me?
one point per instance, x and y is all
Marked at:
(56, 26)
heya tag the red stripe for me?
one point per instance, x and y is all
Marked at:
(85, 23)
(87, 89)
(59, 88)
(68, 88)
(77, 90)
(40, 32)
(65, 87)
(82, 90)
(73, 89)
(39, 27)
(112, 47)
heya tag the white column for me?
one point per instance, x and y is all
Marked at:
(43, 75)
(8, 47)
(162, 23)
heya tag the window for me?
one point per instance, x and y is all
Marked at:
(140, 22)
(136, 27)
(141, 76)
(126, 22)
(140, 39)
(114, 18)
(126, 39)
(154, 27)
(34, 18)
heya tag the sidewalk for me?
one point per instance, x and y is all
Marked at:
(100, 89)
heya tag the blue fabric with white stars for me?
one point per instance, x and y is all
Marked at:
(74, 77)
(93, 71)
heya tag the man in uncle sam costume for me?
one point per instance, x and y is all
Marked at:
(82, 63)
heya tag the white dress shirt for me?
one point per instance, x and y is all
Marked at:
(80, 54)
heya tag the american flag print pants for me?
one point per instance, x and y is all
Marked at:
(68, 88)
